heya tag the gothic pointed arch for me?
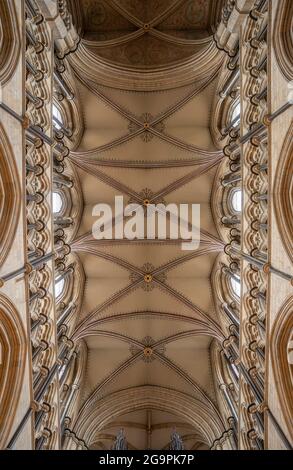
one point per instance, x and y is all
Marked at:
(283, 193)
(9, 199)
(195, 412)
(282, 359)
(9, 40)
(283, 38)
(12, 357)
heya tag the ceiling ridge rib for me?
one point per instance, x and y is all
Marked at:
(88, 238)
(112, 182)
(125, 14)
(183, 145)
(136, 283)
(184, 259)
(130, 37)
(183, 101)
(115, 143)
(185, 376)
(177, 184)
(120, 336)
(107, 100)
(154, 22)
(178, 40)
(85, 248)
(108, 257)
(110, 377)
(205, 238)
(114, 42)
(146, 29)
(167, 13)
(182, 334)
(141, 164)
(204, 328)
(150, 29)
(144, 313)
(161, 117)
(188, 303)
(104, 305)
(127, 363)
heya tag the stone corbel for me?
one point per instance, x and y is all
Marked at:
(64, 32)
(227, 35)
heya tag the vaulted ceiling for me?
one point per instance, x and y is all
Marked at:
(148, 33)
(148, 314)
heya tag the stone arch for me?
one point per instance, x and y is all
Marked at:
(9, 196)
(283, 38)
(9, 40)
(197, 413)
(12, 358)
(283, 193)
(282, 360)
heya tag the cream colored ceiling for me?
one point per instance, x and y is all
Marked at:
(118, 317)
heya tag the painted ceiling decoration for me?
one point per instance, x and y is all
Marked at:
(153, 36)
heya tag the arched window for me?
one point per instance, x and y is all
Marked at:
(57, 118)
(235, 284)
(236, 200)
(57, 203)
(59, 287)
(235, 118)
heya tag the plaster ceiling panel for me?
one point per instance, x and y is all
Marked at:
(193, 14)
(94, 190)
(98, 268)
(98, 115)
(197, 136)
(95, 138)
(138, 254)
(196, 112)
(99, 16)
(198, 291)
(192, 270)
(154, 103)
(97, 290)
(206, 217)
(146, 10)
(136, 417)
(155, 373)
(197, 191)
(102, 361)
(88, 219)
(139, 180)
(154, 301)
(155, 150)
(190, 354)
